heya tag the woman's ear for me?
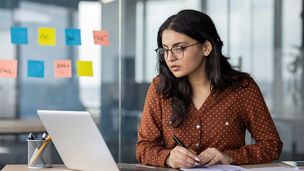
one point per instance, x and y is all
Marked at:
(207, 48)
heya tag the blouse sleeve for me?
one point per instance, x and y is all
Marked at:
(149, 149)
(258, 121)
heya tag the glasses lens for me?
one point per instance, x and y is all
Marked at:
(178, 52)
(160, 53)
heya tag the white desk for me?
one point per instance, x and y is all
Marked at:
(125, 167)
(21, 126)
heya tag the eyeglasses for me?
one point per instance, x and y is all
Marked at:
(177, 52)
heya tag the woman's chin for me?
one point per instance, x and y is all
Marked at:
(178, 74)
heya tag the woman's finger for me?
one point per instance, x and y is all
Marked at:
(179, 159)
(213, 161)
(205, 156)
(188, 152)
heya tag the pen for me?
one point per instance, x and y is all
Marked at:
(181, 144)
(178, 141)
(44, 136)
(45, 143)
(30, 136)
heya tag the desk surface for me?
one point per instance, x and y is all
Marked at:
(21, 126)
(123, 167)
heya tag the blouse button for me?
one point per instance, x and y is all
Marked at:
(198, 126)
(197, 144)
(227, 123)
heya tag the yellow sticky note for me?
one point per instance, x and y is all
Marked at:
(84, 68)
(47, 36)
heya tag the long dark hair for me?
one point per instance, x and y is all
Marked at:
(221, 75)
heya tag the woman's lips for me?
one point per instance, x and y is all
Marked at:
(175, 68)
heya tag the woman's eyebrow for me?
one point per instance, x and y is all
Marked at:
(164, 45)
(175, 44)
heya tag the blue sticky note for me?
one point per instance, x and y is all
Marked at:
(35, 68)
(19, 35)
(72, 37)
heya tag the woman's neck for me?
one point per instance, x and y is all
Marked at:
(198, 79)
(200, 89)
(199, 82)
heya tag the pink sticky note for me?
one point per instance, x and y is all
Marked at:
(101, 37)
(8, 68)
(63, 69)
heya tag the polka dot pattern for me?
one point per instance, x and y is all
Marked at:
(219, 123)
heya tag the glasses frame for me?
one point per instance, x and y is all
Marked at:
(166, 51)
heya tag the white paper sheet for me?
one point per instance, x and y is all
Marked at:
(273, 169)
(222, 167)
(217, 167)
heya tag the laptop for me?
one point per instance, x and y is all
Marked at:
(77, 140)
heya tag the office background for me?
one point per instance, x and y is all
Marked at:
(263, 37)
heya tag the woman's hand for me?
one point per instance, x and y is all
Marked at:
(212, 156)
(181, 157)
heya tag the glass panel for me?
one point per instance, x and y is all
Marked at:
(110, 89)
(265, 40)
(140, 23)
(291, 120)
(48, 92)
(24, 95)
(8, 86)
(262, 37)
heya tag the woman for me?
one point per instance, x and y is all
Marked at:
(202, 100)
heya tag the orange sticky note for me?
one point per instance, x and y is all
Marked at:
(101, 37)
(84, 68)
(8, 68)
(47, 36)
(63, 68)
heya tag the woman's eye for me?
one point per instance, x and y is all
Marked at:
(179, 48)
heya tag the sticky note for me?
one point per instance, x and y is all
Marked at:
(19, 35)
(63, 68)
(72, 37)
(101, 37)
(8, 68)
(47, 36)
(35, 68)
(84, 68)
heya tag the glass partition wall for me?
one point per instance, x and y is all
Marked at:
(261, 37)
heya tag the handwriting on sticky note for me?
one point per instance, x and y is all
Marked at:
(63, 69)
(84, 68)
(101, 37)
(47, 36)
(8, 68)
(72, 37)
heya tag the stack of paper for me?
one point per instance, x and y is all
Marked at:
(222, 167)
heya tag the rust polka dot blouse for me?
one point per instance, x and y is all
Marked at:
(220, 124)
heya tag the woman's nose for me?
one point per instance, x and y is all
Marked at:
(171, 56)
